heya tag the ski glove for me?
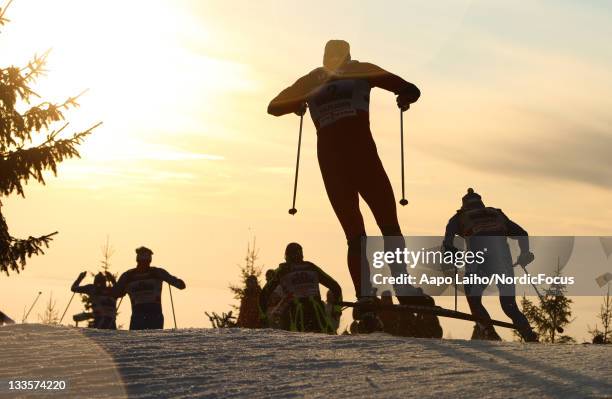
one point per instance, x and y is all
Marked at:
(404, 100)
(525, 258)
(302, 110)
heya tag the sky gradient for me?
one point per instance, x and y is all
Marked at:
(515, 104)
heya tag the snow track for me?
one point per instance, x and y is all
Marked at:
(196, 363)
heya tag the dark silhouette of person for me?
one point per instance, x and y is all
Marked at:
(338, 96)
(144, 284)
(275, 301)
(487, 229)
(300, 281)
(103, 301)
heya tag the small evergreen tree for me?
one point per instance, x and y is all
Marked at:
(51, 315)
(247, 270)
(24, 156)
(605, 315)
(551, 314)
(225, 320)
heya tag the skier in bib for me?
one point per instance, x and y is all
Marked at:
(338, 96)
(300, 279)
(103, 301)
(143, 284)
(487, 229)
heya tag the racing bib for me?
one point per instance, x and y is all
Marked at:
(144, 291)
(338, 99)
(301, 282)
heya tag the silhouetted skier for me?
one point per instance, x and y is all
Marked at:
(143, 284)
(300, 281)
(4, 319)
(338, 96)
(485, 227)
(103, 301)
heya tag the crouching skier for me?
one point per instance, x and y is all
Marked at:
(338, 96)
(143, 284)
(487, 229)
(103, 301)
(275, 303)
(300, 279)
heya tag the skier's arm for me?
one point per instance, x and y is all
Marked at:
(267, 290)
(76, 286)
(170, 279)
(328, 282)
(516, 232)
(292, 98)
(378, 77)
(119, 289)
(452, 229)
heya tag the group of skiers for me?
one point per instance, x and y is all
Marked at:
(338, 96)
(143, 284)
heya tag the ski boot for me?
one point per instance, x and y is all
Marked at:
(486, 333)
(423, 325)
(366, 320)
(528, 334)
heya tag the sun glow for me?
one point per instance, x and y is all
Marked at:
(143, 79)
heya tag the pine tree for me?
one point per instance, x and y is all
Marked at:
(605, 315)
(31, 142)
(247, 270)
(551, 314)
(51, 315)
(225, 320)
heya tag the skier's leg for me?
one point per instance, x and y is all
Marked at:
(473, 292)
(137, 321)
(507, 299)
(344, 198)
(376, 190)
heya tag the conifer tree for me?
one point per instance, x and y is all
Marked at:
(551, 314)
(605, 315)
(32, 141)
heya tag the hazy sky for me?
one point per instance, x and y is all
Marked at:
(515, 103)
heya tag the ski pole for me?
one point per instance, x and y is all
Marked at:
(559, 329)
(119, 305)
(403, 201)
(172, 303)
(293, 211)
(455, 289)
(31, 307)
(65, 310)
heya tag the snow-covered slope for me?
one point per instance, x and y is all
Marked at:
(264, 363)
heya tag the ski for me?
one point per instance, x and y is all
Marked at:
(435, 310)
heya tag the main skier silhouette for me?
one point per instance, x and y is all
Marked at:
(338, 96)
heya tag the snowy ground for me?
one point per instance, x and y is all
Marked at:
(263, 363)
